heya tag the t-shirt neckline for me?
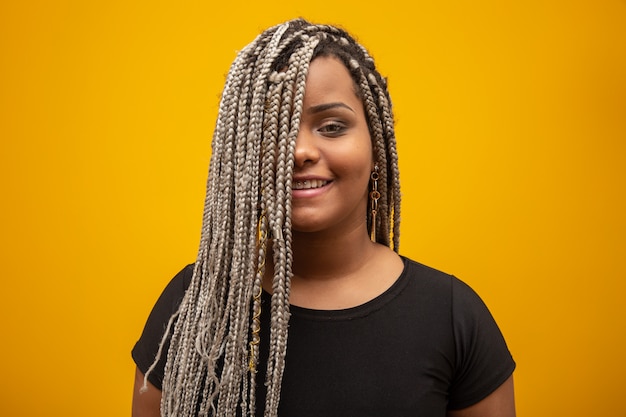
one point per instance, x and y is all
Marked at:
(351, 313)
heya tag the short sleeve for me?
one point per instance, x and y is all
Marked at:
(145, 350)
(483, 360)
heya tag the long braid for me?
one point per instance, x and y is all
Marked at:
(214, 336)
(291, 109)
(378, 143)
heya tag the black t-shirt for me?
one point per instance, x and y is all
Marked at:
(426, 345)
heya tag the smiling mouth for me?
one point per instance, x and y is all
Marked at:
(308, 184)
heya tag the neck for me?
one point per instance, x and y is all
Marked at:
(335, 271)
(327, 257)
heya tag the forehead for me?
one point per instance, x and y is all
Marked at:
(328, 79)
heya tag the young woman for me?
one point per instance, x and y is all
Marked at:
(298, 303)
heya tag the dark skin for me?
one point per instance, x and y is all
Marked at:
(148, 403)
(335, 264)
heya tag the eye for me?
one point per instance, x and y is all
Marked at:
(332, 128)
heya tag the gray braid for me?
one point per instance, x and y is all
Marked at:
(214, 336)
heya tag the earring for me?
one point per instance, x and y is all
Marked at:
(374, 196)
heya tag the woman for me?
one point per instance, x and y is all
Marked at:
(298, 303)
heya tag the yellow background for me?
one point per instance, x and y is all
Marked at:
(511, 128)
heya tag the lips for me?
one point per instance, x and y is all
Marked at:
(308, 184)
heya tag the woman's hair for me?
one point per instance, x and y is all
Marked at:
(214, 335)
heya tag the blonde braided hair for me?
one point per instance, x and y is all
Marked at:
(214, 336)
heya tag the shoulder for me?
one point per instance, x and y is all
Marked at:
(425, 294)
(181, 280)
(451, 300)
(422, 271)
(173, 293)
(427, 280)
(482, 361)
(437, 281)
(171, 296)
(146, 348)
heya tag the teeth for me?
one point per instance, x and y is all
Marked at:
(305, 185)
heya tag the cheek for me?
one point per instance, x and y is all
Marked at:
(352, 158)
(356, 165)
(359, 173)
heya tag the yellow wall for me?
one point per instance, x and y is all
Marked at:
(511, 126)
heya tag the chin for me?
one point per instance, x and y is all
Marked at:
(308, 227)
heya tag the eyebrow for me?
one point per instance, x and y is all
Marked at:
(327, 106)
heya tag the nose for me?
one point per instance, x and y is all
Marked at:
(307, 151)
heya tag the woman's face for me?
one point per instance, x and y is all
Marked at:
(333, 156)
